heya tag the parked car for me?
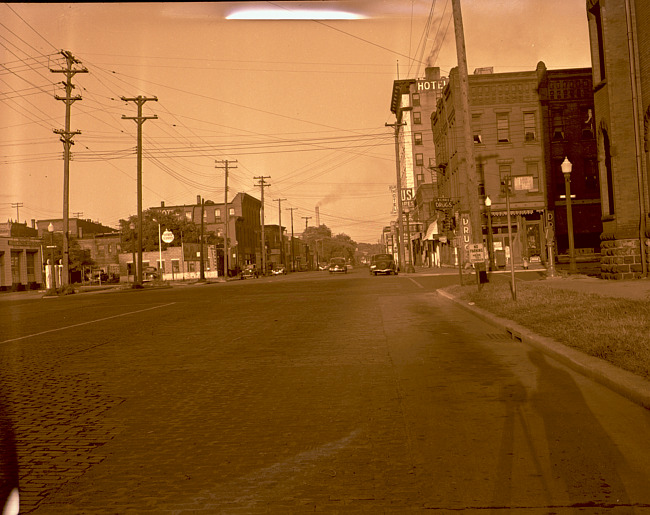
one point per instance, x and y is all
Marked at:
(250, 271)
(323, 266)
(279, 270)
(337, 264)
(383, 264)
(150, 273)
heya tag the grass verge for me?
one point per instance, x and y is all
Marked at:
(613, 329)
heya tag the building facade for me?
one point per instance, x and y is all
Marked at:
(509, 155)
(21, 257)
(619, 34)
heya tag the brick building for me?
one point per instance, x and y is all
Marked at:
(568, 125)
(619, 33)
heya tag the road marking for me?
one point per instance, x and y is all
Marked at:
(84, 323)
(415, 282)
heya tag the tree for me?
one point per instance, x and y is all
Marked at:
(78, 257)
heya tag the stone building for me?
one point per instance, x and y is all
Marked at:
(20, 257)
(619, 33)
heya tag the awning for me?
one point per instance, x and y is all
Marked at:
(432, 231)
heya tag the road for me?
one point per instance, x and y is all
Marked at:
(301, 393)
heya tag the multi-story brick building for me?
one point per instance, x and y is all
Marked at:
(506, 129)
(568, 126)
(413, 101)
(619, 33)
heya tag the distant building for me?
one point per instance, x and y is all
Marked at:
(619, 33)
(104, 249)
(20, 257)
(77, 227)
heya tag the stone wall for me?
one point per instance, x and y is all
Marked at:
(621, 259)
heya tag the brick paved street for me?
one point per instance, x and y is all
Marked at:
(304, 393)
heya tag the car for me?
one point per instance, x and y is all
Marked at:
(337, 264)
(383, 264)
(279, 270)
(250, 271)
(323, 267)
(150, 273)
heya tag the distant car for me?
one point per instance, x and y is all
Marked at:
(279, 270)
(323, 266)
(150, 273)
(250, 272)
(338, 265)
(383, 264)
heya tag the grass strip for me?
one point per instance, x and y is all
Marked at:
(616, 330)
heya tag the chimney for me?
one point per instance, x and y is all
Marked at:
(162, 203)
(317, 216)
(432, 73)
(198, 199)
(33, 223)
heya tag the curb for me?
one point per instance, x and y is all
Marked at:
(627, 384)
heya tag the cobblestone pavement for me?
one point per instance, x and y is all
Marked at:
(329, 394)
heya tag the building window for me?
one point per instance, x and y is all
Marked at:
(417, 136)
(503, 128)
(591, 177)
(176, 266)
(504, 178)
(416, 99)
(31, 267)
(417, 117)
(217, 214)
(432, 162)
(595, 12)
(530, 129)
(587, 115)
(532, 170)
(558, 125)
(110, 248)
(420, 178)
(476, 129)
(231, 211)
(188, 215)
(419, 159)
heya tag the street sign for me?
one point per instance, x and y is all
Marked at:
(476, 253)
(443, 203)
(168, 236)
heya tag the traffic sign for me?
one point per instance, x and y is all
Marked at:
(168, 236)
(476, 252)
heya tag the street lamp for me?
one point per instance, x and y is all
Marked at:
(488, 212)
(52, 268)
(409, 264)
(566, 171)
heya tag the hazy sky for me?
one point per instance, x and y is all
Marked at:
(304, 102)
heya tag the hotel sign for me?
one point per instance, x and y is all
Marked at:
(429, 85)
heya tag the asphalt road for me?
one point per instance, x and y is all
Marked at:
(302, 393)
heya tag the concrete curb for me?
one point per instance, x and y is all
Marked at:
(625, 383)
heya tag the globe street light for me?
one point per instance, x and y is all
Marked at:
(566, 171)
(488, 209)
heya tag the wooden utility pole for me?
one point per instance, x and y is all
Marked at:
(279, 201)
(17, 205)
(263, 184)
(470, 201)
(139, 101)
(400, 220)
(66, 138)
(293, 257)
(306, 219)
(226, 251)
(202, 263)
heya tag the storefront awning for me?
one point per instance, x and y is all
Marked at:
(432, 231)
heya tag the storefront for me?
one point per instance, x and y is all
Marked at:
(20, 263)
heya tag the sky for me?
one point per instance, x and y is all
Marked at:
(303, 103)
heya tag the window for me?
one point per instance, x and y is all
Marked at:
(432, 162)
(217, 214)
(558, 125)
(231, 211)
(188, 215)
(176, 266)
(587, 123)
(504, 178)
(503, 128)
(476, 129)
(417, 117)
(31, 267)
(530, 130)
(416, 99)
(417, 136)
(532, 170)
(420, 178)
(591, 177)
(110, 248)
(419, 159)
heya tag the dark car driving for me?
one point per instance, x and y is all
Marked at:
(338, 264)
(383, 264)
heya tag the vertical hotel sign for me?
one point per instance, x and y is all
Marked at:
(466, 234)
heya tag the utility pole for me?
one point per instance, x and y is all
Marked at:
(66, 138)
(293, 258)
(202, 263)
(263, 184)
(306, 219)
(469, 201)
(225, 166)
(78, 214)
(139, 101)
(400, 221)
(17, 205)
(279, 201)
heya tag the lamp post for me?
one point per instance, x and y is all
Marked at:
(409, 263)
(566, 171)
(52, 268)
(488, 212)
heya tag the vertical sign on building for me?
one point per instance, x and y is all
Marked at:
(466, 234)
